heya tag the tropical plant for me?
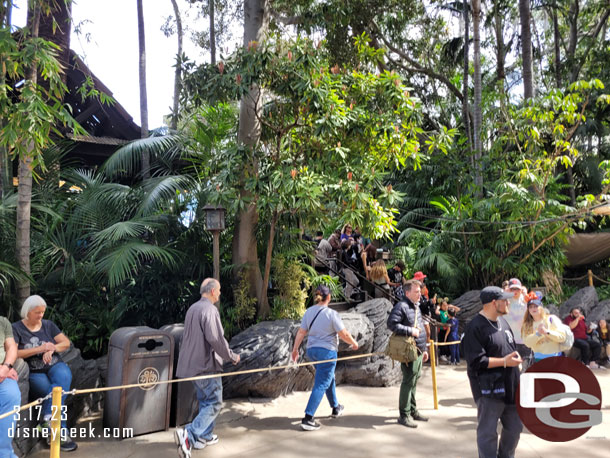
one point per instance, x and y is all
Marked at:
(292, 285)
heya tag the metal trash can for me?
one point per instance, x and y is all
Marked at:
(184, 399)
(139, 355)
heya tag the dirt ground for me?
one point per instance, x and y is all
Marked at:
(270, 428)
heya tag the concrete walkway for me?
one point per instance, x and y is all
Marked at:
(270, 428)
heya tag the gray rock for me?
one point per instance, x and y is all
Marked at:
(585, 298)
(267, 344)
(375, 370)
(378, 311)
(371, 371)
(469, 304)
(361, 329)
(600, 312)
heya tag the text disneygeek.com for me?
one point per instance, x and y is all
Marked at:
(74, 433)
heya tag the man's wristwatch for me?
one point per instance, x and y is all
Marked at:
(9, 365)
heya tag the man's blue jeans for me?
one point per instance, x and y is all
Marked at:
(10, 397)
(209, 395)
(324, 382)
(42, 384)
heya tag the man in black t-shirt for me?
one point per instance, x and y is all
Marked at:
(493, 371)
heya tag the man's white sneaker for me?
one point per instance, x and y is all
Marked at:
(198, 445)
(181, 438)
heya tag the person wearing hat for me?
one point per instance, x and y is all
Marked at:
(493, 372)
(517, 308)
(542, 332)
(325, 328)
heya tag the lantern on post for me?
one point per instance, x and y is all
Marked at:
(215, 223)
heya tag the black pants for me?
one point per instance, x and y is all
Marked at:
(589, 350)
(489, 412)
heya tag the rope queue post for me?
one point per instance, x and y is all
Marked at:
(433, 367)
(57, 392)
(56, 414)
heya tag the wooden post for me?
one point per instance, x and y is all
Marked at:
(590, 274)
(216, 254)
(433, 367)
(56, 414)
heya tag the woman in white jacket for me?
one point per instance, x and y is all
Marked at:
(542, 332)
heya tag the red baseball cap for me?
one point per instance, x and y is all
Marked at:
(419, 275)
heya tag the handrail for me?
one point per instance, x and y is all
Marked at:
(339, 274)
(390, 293)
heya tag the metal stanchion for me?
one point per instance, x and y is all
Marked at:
(433, 367)
(56, 422)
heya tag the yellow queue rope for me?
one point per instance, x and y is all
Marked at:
(57, 392)
(25, 406)
(224, 374)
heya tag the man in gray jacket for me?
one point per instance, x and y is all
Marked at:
(406, 319)
(202, 352)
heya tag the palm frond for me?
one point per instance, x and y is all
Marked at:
(9, 272)
(160, 190)
(127, 159)
(123, 261)
(122, 230)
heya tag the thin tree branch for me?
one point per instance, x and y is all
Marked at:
(594, 36)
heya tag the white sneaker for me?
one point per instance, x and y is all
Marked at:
(198, 445)
(181, 438)
(444, 359)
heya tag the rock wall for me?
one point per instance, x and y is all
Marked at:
(374, 370)
(269, 344)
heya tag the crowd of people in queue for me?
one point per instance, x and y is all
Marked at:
(512, 330)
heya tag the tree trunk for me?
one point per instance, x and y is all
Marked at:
(466, 72)
(556, 43)
(499, 29)
(268, 257)
(5, 13)
(212, 33)
(478, 114)
(143, 92)
(526, 49)
(178, 75)
(245, 253)
(24, 189)
(573, 34)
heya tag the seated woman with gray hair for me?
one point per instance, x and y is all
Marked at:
(39, 343)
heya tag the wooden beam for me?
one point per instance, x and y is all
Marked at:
(91, 110)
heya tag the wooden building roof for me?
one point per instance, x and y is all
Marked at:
(108, 125)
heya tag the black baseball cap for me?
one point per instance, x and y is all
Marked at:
(493, 293)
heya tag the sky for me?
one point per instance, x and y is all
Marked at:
(108, 43)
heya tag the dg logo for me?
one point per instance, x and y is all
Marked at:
(559, 399)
